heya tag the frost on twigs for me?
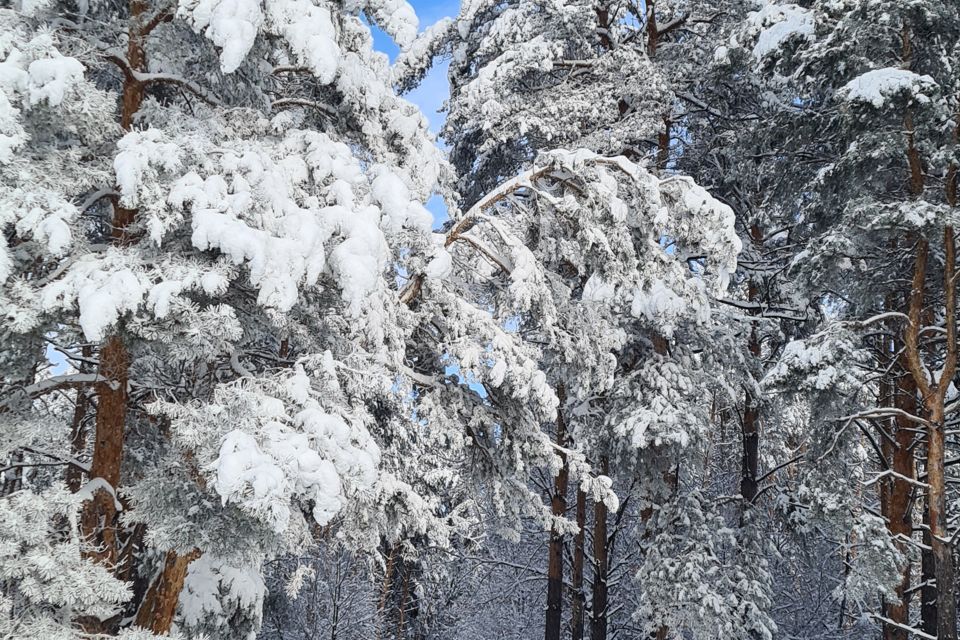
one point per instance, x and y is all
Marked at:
(45, 560)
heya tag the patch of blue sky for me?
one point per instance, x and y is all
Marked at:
(432, 92)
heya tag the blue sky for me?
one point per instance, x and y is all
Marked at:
(431, 93)
(434, 88)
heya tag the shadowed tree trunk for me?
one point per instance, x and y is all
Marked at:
(576, 578)
(750, 465)
(598, 614)
(898, 512)
(928, 593)
(558, 507)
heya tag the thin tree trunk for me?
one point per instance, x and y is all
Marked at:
(385, 590)
(750, 464)
(576, 606)
(404, 595)
(78, 427)
(653, 35)
(598, 615)
(558, 507)
(928, 592)
(663, 144)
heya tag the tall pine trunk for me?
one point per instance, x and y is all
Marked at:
(576, 578)
(160, 604)
(598, 614)
(934, 394)
(558, 507)
(99, 522)
(750, 464)
(928, 576)
(899, 502)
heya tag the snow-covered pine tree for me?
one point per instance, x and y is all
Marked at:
(525, 78)
(204, 229)
(866, 96)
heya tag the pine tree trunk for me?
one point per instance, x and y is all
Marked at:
(576, 606)
(98, 522)
(898, 512)
(78, 428)
(385, 591)
(750, 465)
(160, 604)
(928, 593)
(404, 597)
(934, 394)
(598, 615)
(558, 507)
(939, 534)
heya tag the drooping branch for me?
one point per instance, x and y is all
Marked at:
(145, 80)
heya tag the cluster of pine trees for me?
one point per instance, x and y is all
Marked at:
(681, 365)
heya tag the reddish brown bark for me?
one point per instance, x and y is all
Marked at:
(98, 522)
(934, 394)
(160, 604)
(898, 510)
(603, 27)
(663, 143)
(928, 577)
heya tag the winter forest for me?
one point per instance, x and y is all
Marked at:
(650, 333)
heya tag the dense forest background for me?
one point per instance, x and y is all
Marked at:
(655, 336)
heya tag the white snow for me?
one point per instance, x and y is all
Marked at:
(596, 290)
(50, 78)
(212, 584)
(139, 152)
(877, 86)
(309, 31)
(657, 302)
(440, 266)
(313, 455)
(775, 24)
(232, 25)
(103, 287)
(399, 208)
